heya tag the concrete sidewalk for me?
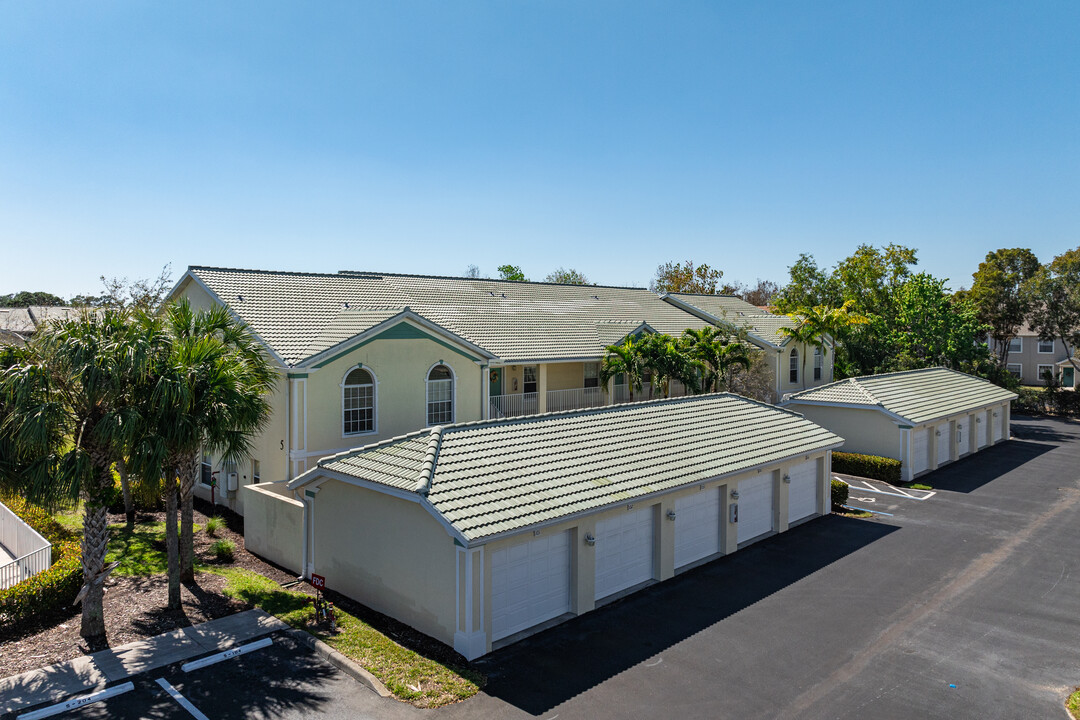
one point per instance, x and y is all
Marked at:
(94, 672)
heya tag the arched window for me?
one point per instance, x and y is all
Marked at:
(358, 402)
(793, 366)
(819, 362)
(440, 395)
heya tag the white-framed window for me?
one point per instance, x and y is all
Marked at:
(256, 475)
(358, 402)
(793, 365)
(1042, 369)
(440, 395)
(1046, 347)
(592, 375)
(206, 474)
(819, 362)
(528, 382)
(1015, 369)
(1016, 345)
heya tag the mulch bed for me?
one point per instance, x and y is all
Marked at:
(135, 606)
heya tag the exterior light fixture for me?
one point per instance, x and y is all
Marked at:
(734, 494)
(671, 515)
(589, 539)
(787, 479)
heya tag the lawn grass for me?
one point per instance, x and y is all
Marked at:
(71, 520)
(141, 550)
(1072, 704)
(853, 513)
(920, 486)
(410, 676)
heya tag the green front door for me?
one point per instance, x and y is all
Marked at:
(1067, 377)
(495, 379)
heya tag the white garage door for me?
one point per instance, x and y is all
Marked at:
(530, 583)
(756, 502)
(963, 436)
(697, 526)
(920, 450)
(980, 432)
(999, 424)
(803, 491)
(624, 551)
(944, 443)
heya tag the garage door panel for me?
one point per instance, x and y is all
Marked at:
(624, 551)
(980, 431)
(697, 526)
(963, 436)
(944, 443)
(803, 490)
(530, 584)
(999, 425)
(920, 450)
(756, 503)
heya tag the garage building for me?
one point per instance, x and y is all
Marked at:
(924, 418)
(481, 533)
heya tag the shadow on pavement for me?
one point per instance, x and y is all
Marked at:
(551, 667)
(974, 471)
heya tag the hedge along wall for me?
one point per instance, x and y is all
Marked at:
(49, 592)
(867, 466)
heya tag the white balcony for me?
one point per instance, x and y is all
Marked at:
(23, 552)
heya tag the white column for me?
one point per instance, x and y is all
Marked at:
(541, 387)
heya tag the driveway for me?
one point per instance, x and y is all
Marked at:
(965, 605)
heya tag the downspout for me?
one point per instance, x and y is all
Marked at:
(304, 542)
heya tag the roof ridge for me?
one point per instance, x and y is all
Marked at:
(427, 470)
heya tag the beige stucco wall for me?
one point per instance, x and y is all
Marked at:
(387, 553)
(864, 431)
(273, 526)
(566, 376)
(786, 386)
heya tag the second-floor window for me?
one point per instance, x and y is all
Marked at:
(1016, 345)
(440, 395)
(793, 366)
(1046, 346)
(358, 402)
(819, 363)
(592, 375)
(528, 383)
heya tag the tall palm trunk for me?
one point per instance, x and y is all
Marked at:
(189, 469)
(172, 541)
(95, 545)
(125, 487)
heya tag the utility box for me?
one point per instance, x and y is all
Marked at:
(733, 508)
(232, 482)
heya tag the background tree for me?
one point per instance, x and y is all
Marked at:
(1055, 297)
(1000, 294)
(761, 294)
(623, 359)
(512, 272)
(146, 293)
(808, 286)
(472, 272)
(77, 381)
(686, 278)
(718, 353)
(27, 298)
(567, 277)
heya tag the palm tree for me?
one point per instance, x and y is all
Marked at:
(624, 359)
(717, 352)
(814, 325)
(666, 359)
(78, 381)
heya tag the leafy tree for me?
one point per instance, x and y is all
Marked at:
(27, 298)
(567, 277)
(672, 277)
(761, 294)
(808, 286)
(817, 325)
(1055, 296)
(930, 328)
(148, 293)
(512, 272)
(78, 381)
(472, 272)
(666, 360)
(1000, 294)
(623, 359)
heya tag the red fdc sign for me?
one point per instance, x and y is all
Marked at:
(318, 582)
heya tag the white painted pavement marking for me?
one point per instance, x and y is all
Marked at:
(231, 653)
(184, 702)
(867, 487)
(78, 702)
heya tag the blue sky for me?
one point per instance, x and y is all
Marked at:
(606, 136)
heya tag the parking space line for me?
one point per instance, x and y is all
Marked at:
(184, 702)
(78, 702)
(867, 487)
(231, 653)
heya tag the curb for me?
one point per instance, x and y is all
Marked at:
(339, 661)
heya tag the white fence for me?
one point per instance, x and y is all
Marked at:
(575, 399)
(514, 405)
(24, 553)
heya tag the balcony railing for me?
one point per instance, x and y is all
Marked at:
(23, 552)
(503, 406)
(514, 405)
(575, 399)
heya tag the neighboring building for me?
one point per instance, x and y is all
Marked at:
(366, 356)
(924, 418)
(1067, 374)
(482, 533)
(1029, 357)
(18, 325)
(793, 365)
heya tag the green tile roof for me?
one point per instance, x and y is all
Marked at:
(301, 314)
(738, 312)
(492, 477)
(917, 396)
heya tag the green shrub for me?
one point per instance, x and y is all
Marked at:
(214, 525)
(867, 466)
(839, 494)
(1031, 401)
(223, 550)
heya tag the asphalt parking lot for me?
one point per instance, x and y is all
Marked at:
(966, 605)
